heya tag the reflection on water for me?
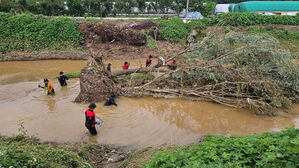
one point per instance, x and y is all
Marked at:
(135, 121)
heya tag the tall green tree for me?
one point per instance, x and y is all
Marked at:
(98, 7)
(7, 5)
(205, 7)
(51, 7)
(75, 8)
(178, 6)
(141, 5)
(125, 6)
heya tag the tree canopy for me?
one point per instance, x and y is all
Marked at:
(101, 8)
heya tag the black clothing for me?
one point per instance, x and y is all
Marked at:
(53, 92)
(90, 121)
(109, 68)
(92, 130)
(62, 80)
(148, 62)
(110, 101)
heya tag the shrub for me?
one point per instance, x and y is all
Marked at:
(75, 74)
(272, 149)
(173, 29)
(24, 151)
(246, 19)
(29, 32)
(279, 33)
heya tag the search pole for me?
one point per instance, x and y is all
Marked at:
(187, 7)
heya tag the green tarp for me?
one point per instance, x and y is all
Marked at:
(267, 6)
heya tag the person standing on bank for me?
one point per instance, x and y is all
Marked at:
(48, 86)
(62, 79)
(91, 119)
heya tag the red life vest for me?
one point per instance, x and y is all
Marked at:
(126, 66)
(90, 115)
(172, 63)
(149, 60)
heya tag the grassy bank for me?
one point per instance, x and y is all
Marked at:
(272, 149)
(35, 32)
(24, 151)
(180, 31)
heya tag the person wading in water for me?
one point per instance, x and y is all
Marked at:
(149, 61)
(126, 65)
(48, 86)
(91, 119)
(62, 79)
(111, 101)
(109, 67)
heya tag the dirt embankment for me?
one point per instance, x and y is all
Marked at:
(124, 40)
(113, 40)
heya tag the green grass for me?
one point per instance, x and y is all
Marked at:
(22, 151)
(75, 74)
(90, 19)
(271, 149)
(137, 76)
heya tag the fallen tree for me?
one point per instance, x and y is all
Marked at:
(233, 69)
(137, 70)
(238, 70)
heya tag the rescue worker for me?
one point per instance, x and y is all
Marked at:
(126, 66)
(110, 101)
(62, 79)
(172, 65)
(90, 119)
(149, 61)
(109, 67)
(48, 86)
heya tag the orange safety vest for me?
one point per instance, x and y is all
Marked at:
(49, 87)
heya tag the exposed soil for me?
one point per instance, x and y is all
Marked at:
(123, 40)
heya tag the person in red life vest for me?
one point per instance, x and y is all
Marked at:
(91, 119)
(173, 62)
(149, 61)
(172, 65)
(126, 66)
(48, 86)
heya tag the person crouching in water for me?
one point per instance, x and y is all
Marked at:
(110, 101)
(149, 61)
(62, 79)
(126, 66)
(91, 119)
(48, 86)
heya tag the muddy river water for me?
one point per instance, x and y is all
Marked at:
(135, 121)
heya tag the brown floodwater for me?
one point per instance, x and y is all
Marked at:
(134, 122)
